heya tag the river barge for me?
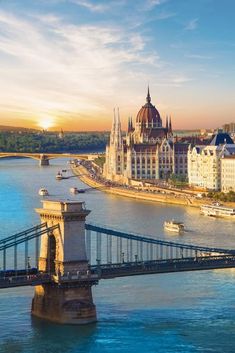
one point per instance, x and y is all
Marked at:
(218, 210)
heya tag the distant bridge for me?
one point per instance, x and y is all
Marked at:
(44, 158)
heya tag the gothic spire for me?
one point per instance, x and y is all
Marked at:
(148, 98)
(170, 126)
(131, 123)
(112, 134)
(118, 131)
(167, 123)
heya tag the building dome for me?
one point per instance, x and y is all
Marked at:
(149, 115)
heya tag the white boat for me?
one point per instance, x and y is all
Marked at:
(43, 192)
(174, 226)
(60, 176)
(218, 210)
(74, 190)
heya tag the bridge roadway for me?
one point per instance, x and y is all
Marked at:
(11, 279)
(44, 158)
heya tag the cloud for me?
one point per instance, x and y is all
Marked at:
(192, 24)
(49, 67)
(152, 3)
(165, 15)
(198, 56)
(91, 6)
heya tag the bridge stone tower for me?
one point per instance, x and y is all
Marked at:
(67, 298)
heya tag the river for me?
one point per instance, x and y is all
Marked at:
(182, 312)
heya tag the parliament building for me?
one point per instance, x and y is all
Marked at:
(147, 151)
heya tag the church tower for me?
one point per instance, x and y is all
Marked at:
(114, 151)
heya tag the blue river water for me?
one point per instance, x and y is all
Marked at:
(184, 312)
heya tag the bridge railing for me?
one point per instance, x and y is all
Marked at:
(107, 246)
(21, 250)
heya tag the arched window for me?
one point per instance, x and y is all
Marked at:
(138, 160)
(143, 160)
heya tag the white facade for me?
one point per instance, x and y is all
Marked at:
(228, 174)
(204, 165)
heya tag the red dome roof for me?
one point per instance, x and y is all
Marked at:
(149, 114)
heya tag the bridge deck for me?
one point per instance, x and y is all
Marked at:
(108, 271)
(165, 266)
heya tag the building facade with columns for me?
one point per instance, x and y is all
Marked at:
(148, 151)
(204, 162)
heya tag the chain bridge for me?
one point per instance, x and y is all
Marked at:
(64, 257)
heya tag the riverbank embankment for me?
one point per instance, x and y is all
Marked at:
(167, 198)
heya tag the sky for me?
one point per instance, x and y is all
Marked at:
(68, 63)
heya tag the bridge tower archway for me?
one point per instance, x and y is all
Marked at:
(67, 298)
(51, 254)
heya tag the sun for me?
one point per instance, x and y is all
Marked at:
(46, 122)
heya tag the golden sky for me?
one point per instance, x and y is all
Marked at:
(67, 64)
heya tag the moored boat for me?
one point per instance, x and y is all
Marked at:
(59, 176)
(174, 226)
(43, 192)
(218, 210)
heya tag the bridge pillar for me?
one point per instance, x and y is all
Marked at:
(67, 299)
(43, 160)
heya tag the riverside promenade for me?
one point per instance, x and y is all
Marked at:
(166, 197)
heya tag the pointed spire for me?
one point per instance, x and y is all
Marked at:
(170, 126)
(148, 98)
(167, 123)
(118, 132)
(130, 124)
(112, 133)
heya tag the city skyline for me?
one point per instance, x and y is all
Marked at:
(67, 63)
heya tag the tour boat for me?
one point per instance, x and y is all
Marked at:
(74, 190)
(174, 226)
(218, 210)
(43, 192)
